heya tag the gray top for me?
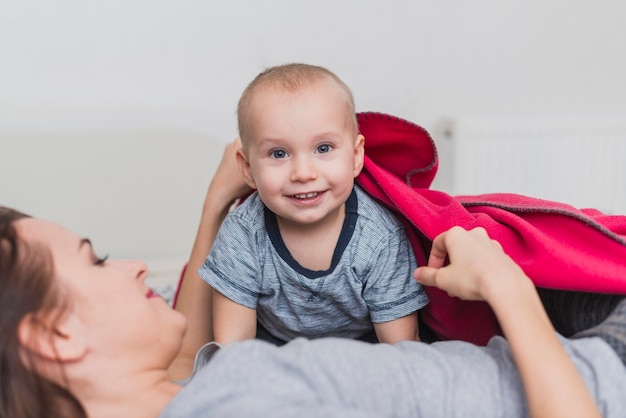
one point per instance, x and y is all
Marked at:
(370, 278)
(348, 378)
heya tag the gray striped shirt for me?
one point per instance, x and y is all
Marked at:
(370, 278)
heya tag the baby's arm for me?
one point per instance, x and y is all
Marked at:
(401, 329)
(390, 284)
(232, 322)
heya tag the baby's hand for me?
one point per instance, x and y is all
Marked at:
(477, 264)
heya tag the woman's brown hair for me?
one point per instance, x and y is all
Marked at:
(26, 289)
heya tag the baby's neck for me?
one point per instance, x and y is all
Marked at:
(313, 246)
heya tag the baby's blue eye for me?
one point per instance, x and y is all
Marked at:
(324, 148)
(279, 153)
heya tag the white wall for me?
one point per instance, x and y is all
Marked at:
(73, 68)
(418, 59)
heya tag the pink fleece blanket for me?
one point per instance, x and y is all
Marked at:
(557, 245)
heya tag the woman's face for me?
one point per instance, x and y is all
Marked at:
(116, 311)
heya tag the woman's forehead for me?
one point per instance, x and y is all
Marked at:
(46, 232)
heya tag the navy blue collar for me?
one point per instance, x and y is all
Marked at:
(347, 230)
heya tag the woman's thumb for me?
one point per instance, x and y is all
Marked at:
(426, 275)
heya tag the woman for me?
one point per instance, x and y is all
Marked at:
(84, 336)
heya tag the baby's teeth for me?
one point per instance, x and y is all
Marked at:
(306, 195)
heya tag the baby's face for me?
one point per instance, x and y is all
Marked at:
(303, 151)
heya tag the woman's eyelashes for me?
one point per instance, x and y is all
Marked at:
(99, 261)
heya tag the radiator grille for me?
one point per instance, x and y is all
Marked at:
(577, 161)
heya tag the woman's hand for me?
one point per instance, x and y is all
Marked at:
(480, 270)
(477, 265)
(228, 183)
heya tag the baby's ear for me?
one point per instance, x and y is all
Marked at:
(61, 339)
(244, 165)
(359, 153)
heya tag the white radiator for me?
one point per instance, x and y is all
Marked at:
(580, 161)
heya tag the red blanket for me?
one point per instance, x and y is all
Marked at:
(557, 245)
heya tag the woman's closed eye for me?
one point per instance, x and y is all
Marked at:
(85, 245)
(99, 261)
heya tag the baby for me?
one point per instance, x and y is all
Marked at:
(309, 254)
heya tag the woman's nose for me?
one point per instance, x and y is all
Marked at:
(140, 270)
(136, 268)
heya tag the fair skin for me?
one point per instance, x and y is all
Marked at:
(195, 296)
(116, 339)
(302, 157)
(480, 271)
(116, 330)
(106, 334)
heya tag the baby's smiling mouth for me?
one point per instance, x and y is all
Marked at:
(302, 196)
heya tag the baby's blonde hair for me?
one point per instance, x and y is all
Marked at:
(289, 78)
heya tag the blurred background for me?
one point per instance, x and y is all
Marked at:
(113, 114)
